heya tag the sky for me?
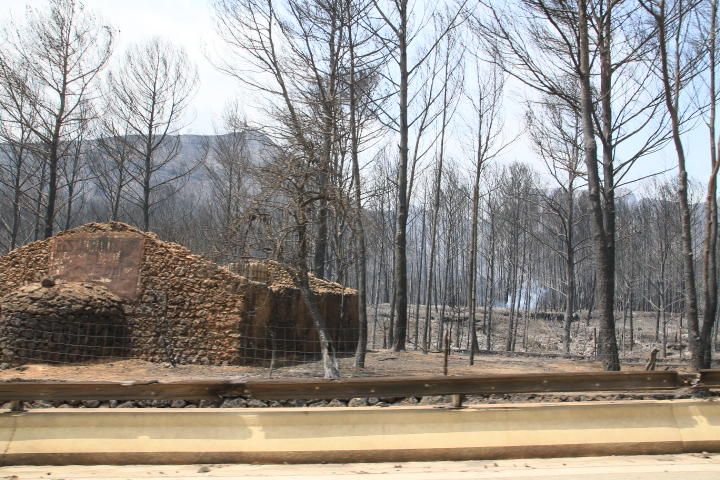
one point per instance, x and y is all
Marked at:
(189, 23)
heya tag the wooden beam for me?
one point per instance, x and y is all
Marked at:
(709, 379)
(468, 385)
(290, 389)
(185, 390)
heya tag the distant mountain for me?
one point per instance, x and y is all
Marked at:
(193, 148)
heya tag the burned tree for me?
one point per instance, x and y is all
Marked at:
(54, 61)
(150, 92)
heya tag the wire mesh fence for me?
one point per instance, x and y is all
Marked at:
(263, 348)
(253, 317)
(72, 341)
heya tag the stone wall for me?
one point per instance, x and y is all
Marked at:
(190, 310)
(62, 323)
(187, 309)
(24, 265)
(279, 320)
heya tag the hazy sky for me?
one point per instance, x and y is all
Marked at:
(190, 23)
(185, 22)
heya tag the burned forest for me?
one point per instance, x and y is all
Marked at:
(381, 187)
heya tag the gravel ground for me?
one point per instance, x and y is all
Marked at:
(378, 363)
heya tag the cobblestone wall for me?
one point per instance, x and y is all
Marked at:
(62, 323)
(187, 310)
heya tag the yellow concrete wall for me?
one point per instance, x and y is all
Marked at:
(57, 436)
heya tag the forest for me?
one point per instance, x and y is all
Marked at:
(380, 159)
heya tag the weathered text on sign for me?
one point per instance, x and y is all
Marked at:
(111, 259)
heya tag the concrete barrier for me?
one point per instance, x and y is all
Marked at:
(314, 435)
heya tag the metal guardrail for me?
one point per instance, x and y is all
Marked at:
(290, 389)
(466, 385)
(153, 390)
(709, 379)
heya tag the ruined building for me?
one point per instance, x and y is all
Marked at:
(105, 291)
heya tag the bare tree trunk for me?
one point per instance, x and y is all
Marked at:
(711, 206)
(420, 278)
(402, 207)
(361, 264)
(433, 241)
(435, 208)
(514, 261)
(473, 249)
(607, 299)
(15, 228)
(322, 231)
(330, 365)
(378, 274)
(491, 279)
(445, 289)
(115, 207)
(603, 255)
(569, 297)
(69, 206)
(391, 321)
(569, 263)
(670, 94)
(526, 313)
(39, 200)
(591, 303)
(511, 316)
(632, 326)
(523, 268)
(53, 159)
(147, 187)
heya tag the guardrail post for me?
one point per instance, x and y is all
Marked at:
(457, 400)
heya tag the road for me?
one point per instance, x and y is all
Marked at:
(658, 467)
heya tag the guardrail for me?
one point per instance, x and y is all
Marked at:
(709, 379)
(465, 385)
(291, 389)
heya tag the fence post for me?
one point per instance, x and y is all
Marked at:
(446, 354)
(595, 349)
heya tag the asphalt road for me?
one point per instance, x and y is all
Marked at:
(660, 467)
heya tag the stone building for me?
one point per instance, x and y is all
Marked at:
(108, 290)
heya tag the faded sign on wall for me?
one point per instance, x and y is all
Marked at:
(111, 259)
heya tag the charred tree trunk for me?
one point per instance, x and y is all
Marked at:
(671, 92)
(711, 207)
(402, 207)
(361, 264)
(607, 342)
